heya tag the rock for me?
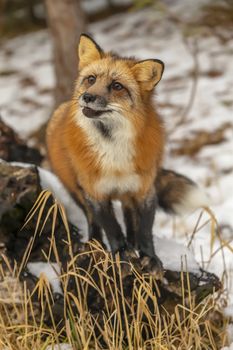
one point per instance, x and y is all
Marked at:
(12, 148)
(19, 189)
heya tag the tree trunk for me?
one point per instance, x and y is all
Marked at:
(66, 20)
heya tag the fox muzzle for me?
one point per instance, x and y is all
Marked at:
(93, 105)
(98, 101)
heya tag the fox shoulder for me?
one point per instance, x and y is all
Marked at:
(55, 137)
(56, 120)
(177, 194)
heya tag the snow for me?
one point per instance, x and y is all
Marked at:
(230, 333)
(147, 34)
(74, 213)
(229, 310)
(50, 270)
(228, 347)
(63, 346)
(25, 97)
(175, 256)
(92, 6)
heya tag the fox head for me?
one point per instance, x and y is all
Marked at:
(109, 86)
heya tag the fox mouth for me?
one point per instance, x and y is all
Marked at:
(92, 113)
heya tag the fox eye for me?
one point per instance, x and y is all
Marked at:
(91, 79)
(117, 86)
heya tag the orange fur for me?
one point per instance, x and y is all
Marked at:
(73, 157)
(107, 143)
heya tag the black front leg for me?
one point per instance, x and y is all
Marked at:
(94, 231)
(131, 223)
(139, 219)
(146, 214)
(104, 216)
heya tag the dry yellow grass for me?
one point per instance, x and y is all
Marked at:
(123, 324)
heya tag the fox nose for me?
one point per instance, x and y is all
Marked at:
(89, 97)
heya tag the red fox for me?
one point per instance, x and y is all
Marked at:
(107, 143)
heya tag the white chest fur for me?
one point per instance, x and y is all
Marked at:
(118, 184)
(114, 154)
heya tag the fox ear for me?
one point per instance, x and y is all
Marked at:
(148, 73)
(88, 51)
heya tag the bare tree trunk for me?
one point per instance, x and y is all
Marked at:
(66, 21)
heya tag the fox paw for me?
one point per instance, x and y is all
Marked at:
(152, 266)
(131, 259)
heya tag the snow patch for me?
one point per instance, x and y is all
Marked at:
(228, 311)
(175, 256)
(62, 346)
(75, 214)
(52, 272)
(228, 347)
